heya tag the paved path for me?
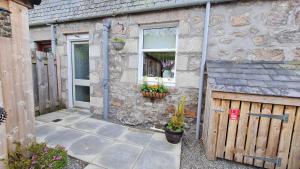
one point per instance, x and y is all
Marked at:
(106, 145)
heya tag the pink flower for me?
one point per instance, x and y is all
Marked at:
(57, 158)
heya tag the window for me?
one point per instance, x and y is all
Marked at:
(158, 54)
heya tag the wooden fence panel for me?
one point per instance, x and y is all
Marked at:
(272, 145)
(231, 136)
(286, 136)
(223, 128)
(242, 131)
(251, 133)
(294, 161)
(45, 82)
(52, 82)
(262, 138)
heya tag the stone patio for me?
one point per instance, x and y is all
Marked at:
(106, 145)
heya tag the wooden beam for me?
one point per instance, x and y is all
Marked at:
(4, 4)
(257, 98)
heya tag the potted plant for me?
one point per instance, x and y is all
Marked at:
(175, 127)
(154, 91)
(118, 43)
(167, 66)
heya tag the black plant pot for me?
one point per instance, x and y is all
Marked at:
(173, 137)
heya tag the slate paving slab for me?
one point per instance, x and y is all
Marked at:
(71, 119)
(44, 130)
(52, 116)
(137, 137)
(159, 143)
(111, 130)
(118, 156)
(88, 147)
(63, 137)
(88, 125)
(152, 159)
(106, 145)
(91, 166)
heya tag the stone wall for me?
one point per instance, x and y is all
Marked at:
(249, 30)
(255, 30)
(5, 24)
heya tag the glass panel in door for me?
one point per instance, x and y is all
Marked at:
(81, 76)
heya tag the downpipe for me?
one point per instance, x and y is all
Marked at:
(105, 38)
(202, 69)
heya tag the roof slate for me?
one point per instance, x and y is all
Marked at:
(65, 10)
(263, 78)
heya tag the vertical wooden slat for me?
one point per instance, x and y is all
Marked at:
(52, 82)
(222, 129)
(294, 158)
(262, 135)
(251, 133)
(231, 136)
(273, 138)
(242, 131)
(213, 130)
(285, 136)
(58, 75)
(41, 82)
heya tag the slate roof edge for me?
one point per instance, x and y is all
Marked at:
(131, 11)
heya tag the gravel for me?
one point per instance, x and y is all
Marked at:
(193, 155)
(74, 163)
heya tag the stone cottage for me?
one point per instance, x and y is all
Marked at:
(156, 32)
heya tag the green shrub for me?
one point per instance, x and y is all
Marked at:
(154, 88)
(176, 123)
(37, 156)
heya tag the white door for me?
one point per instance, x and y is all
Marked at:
(80, 73)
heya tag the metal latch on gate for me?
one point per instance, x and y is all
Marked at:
(218, 110)
(284, 118)
(276, 161)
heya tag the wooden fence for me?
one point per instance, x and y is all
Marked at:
(45, 82)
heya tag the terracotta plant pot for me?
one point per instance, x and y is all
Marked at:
(173, 137)
(154, 95)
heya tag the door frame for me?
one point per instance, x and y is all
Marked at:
(70, 40)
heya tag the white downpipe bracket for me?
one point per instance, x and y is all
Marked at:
(202, 69)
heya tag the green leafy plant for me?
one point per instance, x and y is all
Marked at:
(154, 88)
(119, 40)
(176, 123)
(37, 156)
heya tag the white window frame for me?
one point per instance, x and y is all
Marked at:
(154, 80)
(70, 40)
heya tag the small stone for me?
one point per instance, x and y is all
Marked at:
(253, 30)
(226, 40)
(239, 34)
(216, 20)
(171, 109)
(260, 40)
(117, 102)
(241, 20)
(269, 54)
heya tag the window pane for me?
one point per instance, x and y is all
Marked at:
(159, 64)
(81, 61)
(159, 38)
(82, 93)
